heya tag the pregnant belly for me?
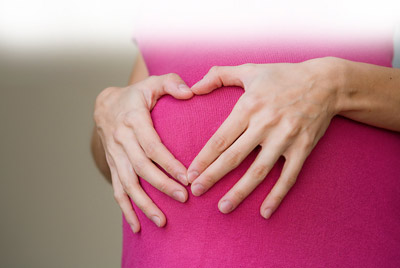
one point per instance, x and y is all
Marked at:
(343, 211)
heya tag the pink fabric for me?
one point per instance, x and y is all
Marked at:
(344, 210)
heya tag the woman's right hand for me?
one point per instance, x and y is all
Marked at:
(130, 142)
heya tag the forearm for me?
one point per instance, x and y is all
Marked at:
(139, 73)
(369, 94)
(99, 155)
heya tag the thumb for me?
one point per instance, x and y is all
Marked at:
(173, 85)
(219, 76)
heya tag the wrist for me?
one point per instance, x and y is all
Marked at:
(341, 77)
(331, 72)
(353, 87)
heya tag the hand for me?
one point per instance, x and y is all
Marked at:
(130, 142)
(285, 109)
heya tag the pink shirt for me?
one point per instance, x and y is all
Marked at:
(343, 211)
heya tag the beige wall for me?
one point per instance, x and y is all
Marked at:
(56, 209)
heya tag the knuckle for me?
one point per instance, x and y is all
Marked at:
(139, 165)
(239, 195)
(172, 77)
(274, 115)
(266, 124)
(218, 143)
(111, 149)
(104, 93)
(112, 89)
(107, 90)
(144, 207)
(255, 98)
(259, 179)
(208, 180)
(110, 162)
(163, 186)
(152, 78)
(248, 102)
(232, 157)
(101, 103)
(151, 148)
(260, 171)
(292, 132)
(97, 116)
(168, 166)
(292, 125)
(119, 197)
(129, 119)
(129, 187)
(307, 141)
(245, 107)
(277, 199)
(290, 181)
(201, 163)
(119, 135)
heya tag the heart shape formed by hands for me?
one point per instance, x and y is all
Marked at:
(269, 113)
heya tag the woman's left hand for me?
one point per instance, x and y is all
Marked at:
(286, 108)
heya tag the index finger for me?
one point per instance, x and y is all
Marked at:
(151, 143)
(226, 134)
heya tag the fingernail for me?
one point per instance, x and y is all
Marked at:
(133, 228)
(179, 195)
(192, 176)
(156, 220)
(198, 189)
(226, 206)
(267, 213)
(184, 87)
(182, 178)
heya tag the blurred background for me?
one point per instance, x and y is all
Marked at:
(55, 57)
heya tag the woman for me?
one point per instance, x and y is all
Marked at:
(344, 207)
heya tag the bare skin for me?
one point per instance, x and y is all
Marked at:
(286, 108)
(125, 143)
(139, 73)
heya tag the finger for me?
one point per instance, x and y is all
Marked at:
(171, 84)
(124, 203)
(288, 178)
(154, 148)
(146, 169)
(256, 173)
(121, 197)
(233, 126)
(217, 77)
(131, 185)
(226, 162)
